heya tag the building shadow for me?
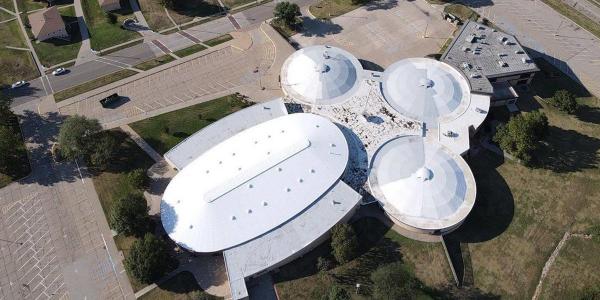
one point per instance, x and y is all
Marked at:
(356, 173)
(370, 66)
(588, 114)
(195, 8)
(318, 27)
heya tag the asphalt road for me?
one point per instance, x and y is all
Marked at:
(136, 54)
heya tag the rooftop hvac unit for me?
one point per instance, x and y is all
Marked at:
(502, 39)
(466, 65)
(525, 60)
(466, 49)
(519, 52)
(502, 63)
(471, 38)
(475, 75)
(325, 55)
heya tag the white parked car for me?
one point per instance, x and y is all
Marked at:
(18, 84)
(58, 71)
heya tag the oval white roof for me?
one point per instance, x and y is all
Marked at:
(425, 89)
(253, 182)
(321, 75)
(422, 183)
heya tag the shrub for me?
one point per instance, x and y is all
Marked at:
(77, 137)
(104, 147)
(287, 12)
(325, 263)
(393, 281)
(522, 134)
(138, 178)
(564, 101)
(129, 215)
(148, 259)
(344, 243)
(337, 293)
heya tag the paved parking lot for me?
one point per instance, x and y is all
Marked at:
(539, 27)
(382, 33)
(203, 78)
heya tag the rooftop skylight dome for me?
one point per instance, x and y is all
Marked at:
(321, 75)
(425, 89)
(422, 184)
(253, 182)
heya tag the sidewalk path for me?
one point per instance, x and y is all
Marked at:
(142, 143)
(85, 52)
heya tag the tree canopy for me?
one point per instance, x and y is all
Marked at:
(80, 137)
(129, 215)
(344, 243)
(564, 101)
(148, 259)
(393, 281)
(287, 12)
(522, 134)
(337, 293)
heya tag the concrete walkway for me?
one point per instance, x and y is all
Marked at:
(85, 52)
(142, 143)
(8, 11)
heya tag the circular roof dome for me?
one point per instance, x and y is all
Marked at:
(422, 183)
(253, 182)
(425, 89)
(321, 75)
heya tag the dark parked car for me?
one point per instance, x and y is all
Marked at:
(106, 102)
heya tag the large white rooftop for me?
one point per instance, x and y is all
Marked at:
(321, 75)
(422, 184)
(426, 90)
(253, 182)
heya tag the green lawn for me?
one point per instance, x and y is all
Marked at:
(5, 16)
(155, 15)
(189, 50)
(55, 51)
(15, 64)
(327, 9)
(11, 35)
(379, 245)
(218, 40)
(103, 34)
(18, 164)
(8, 4)
(155, 62)
(462, 12)
(521, 213)
(574, 274)
(186, 11)
(29, 5)
(573, 14)
(182, 286)
(167, 130)
(283, 29)
(94, 84)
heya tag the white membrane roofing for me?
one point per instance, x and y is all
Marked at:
(253, 182)
(422, 183)
(321, 75)
(425, 89)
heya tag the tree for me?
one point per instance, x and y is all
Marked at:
(393, 281)
(6, 115)
(104, 147)
(8, 148)
(337, 293)
(167, 3)
(324, 263)
(522, 134)
(148, 259)
(76, 136)
(344, 243)
(129, 215)
(286, 12)
(138, 178)
(564, 101)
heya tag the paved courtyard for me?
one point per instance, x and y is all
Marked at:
(220, 71)
(381, 33)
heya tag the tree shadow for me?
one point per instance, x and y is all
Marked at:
(318, 27)
(380, 5)
(567, 151)
(476, 3)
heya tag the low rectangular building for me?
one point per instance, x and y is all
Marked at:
(489, 58)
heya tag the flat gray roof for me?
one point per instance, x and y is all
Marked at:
(482, 52)
(290, 240)
(189, 149)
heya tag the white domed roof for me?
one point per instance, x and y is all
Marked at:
(425, 89)
(321, 75)
(422, 184)
(253, 182)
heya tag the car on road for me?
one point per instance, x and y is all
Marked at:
(18, 84)
(58, 71)
(106, 102)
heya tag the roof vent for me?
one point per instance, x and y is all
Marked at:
(427, 83)
(501, 39)
(424, 174)
(519, 52)
(326, 55)
(322, 68)
(502, 63)
(264, 203)
(249, 211)
(233, 218)
(466, 49)
(525, 60)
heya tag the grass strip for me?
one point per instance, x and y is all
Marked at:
(121, 47)
(575, 16)
(93, 84)
(189, 50)
(155, 62)
(219, 40)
